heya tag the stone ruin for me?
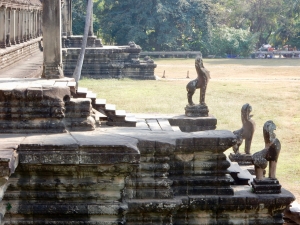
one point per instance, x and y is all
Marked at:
(20, 30)
(58, 166)
(245, 133)
(101, 61)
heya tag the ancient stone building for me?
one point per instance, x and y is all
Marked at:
(101, 61)
(20, 29)
(58, 168)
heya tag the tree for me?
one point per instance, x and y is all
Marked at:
(88, 19)
(79, 14)
(232, 41)
(157, 24)
(288, 31)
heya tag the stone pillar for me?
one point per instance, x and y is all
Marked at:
(36, 24)
(22, 22)
(52, 39)
(33, 24)
(8, 16)
(40, 23)
(3, 27)
(91, 30)
(69, 30)
(67, 18)
(27, 25)
(24, 25)
(30, 24)
(64, 10)
(13, 26)
(18, 26)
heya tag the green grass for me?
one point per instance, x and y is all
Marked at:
(270, 100)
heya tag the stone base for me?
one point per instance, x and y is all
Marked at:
(196, 111)
(110, 62)
(250, 169)
(241, 159)
(52, 72)
(192, 124)
(266, 186)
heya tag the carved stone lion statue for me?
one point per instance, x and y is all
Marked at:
(200, 82)
(247, 130)
(269, 154)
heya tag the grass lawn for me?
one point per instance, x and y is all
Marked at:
(271, 86)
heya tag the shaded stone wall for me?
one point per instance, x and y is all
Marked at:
(140, 178)
(110, 62)
(42, 106)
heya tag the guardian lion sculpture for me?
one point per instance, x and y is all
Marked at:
(200, 82)
(269, 154)
(247, 130)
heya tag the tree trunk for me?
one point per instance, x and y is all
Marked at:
(88, 18)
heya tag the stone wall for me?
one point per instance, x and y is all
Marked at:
(17, 52)
(133, 178)
(20, 29)
(42, 106)
(110, 62)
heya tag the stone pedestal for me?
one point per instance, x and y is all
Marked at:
(52, 39)
(196, 110)
(266, 186)
(241, 159)
(192, 124)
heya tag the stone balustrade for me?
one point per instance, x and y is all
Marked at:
(20, 21)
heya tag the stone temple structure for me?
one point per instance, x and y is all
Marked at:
(20, 29)
(102, 61)
(59, 166)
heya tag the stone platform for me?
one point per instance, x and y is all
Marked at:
(110, 62)
(42, 106)
(128, 176)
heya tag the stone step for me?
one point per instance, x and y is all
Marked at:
(81, 93)
(100, 103)
(120, 113)
(92, 96)
(99, 116)
(110, 107)
(72, 86)
(129, 121)
(153, 125)
(164, 125)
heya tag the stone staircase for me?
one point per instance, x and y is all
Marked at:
(105, 112)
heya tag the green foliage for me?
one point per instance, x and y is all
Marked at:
(232, 41)
(188, 24)
(79, 13)
(157, 24)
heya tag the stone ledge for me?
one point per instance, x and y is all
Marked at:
(192, 124)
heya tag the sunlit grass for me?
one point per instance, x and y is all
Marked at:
(276, 100)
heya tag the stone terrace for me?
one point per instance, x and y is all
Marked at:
(130, 176)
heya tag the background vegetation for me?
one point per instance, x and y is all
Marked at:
(215, 27)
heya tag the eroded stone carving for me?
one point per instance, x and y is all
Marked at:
(247, 130)
(260, 160)
(201, 82)
(269, 154)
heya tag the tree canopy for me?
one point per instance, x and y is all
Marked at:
(157, 24)
(212, 26)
